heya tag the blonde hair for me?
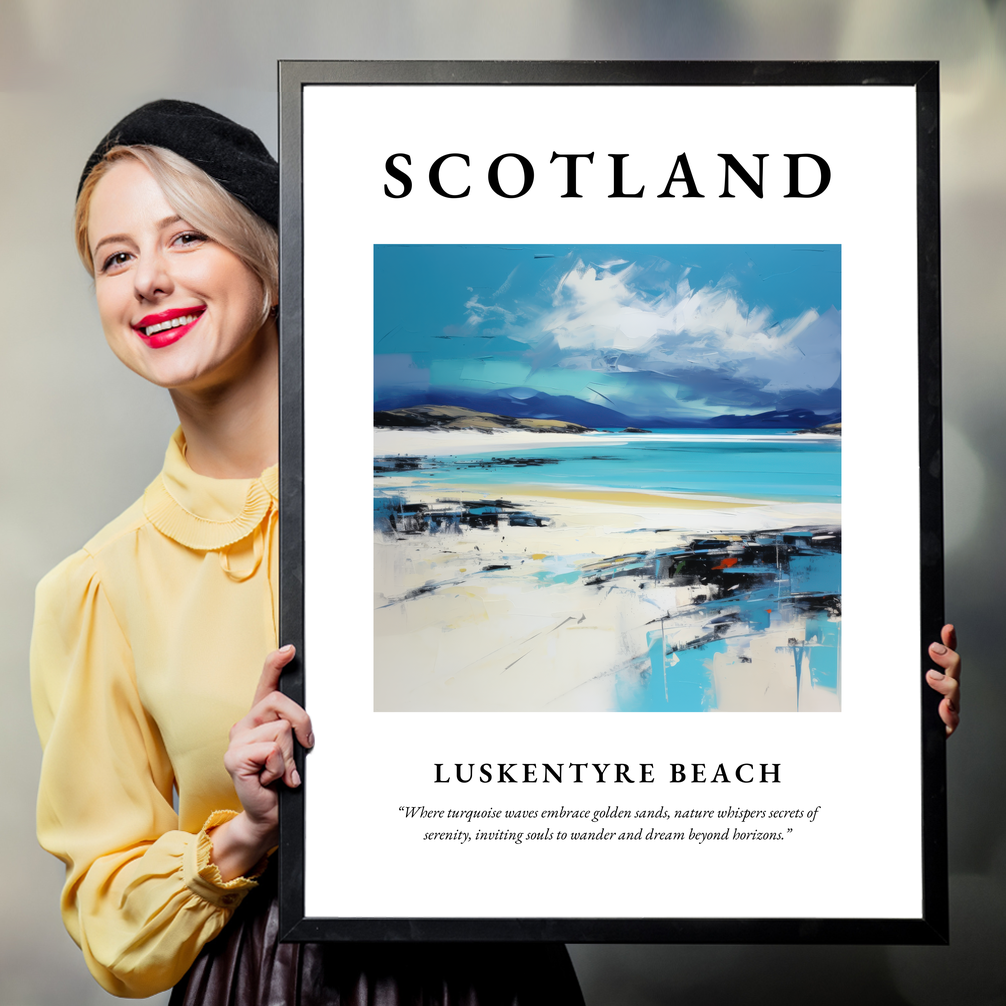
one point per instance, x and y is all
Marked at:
(199, 200)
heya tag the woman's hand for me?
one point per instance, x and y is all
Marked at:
(948, 681)
(260, 753)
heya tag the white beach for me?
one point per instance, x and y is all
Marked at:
(435, 442)
(452, 633)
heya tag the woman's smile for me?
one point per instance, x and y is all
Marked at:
(166, 327)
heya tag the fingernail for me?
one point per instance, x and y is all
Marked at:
(287, 649)
(295, 777)
(936, 676)
(938, 648)
(310, 740)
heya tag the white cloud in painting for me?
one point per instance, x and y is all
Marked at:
(599, 320)
(478, 313)
(506, 284)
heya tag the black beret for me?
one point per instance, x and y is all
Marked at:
(231, 154)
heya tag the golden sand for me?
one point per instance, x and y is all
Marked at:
(632, 499)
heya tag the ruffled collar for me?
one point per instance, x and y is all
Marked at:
(203, 513)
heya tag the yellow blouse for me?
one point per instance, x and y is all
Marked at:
(147, 647)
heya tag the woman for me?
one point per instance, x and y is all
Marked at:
(149, 642)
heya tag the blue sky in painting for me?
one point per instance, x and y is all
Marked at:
(660, 332)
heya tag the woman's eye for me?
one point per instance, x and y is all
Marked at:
(114, 261)
(190, 238)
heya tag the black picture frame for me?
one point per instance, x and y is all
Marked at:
(931, 927)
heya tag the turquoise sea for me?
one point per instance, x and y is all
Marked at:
(763, 465)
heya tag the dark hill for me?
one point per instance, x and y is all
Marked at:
(516, 403)
(452, 417)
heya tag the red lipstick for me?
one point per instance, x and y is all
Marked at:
(166, 327)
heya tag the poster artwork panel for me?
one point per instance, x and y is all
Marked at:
(607, 478)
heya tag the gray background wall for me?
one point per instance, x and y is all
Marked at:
(81, 436)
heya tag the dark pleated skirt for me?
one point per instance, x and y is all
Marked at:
(246, 965)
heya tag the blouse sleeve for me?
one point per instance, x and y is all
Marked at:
(141, 898)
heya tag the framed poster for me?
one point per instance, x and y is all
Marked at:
(611, 501)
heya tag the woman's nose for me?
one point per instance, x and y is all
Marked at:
(152, 277)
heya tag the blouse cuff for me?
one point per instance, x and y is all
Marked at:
(202, 876)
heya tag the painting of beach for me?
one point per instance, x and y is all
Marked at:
(607, 478)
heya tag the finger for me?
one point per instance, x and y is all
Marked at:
(949, 709)
(950, 716)
(276, 706)
(279, 733)
(274, 766)
(260, 760)
(271, 670)
(947, 686)
(949, 636)
(948, 659)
